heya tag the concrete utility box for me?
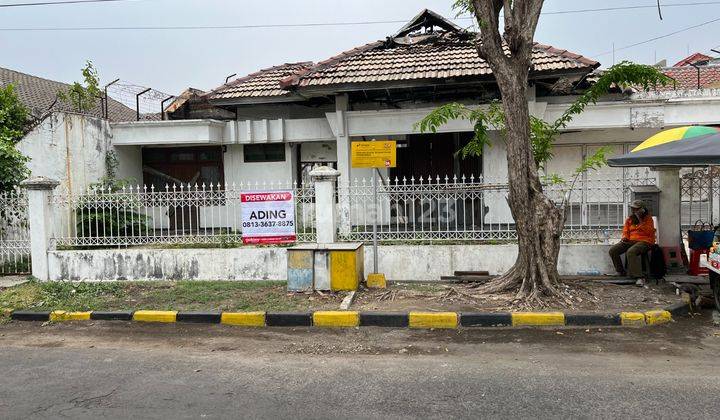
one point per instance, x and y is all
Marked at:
(650, 194)
(335, 267)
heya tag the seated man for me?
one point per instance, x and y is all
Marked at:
(637, 237)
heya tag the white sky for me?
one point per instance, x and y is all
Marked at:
(170, 61)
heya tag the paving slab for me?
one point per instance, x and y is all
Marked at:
(10, 281)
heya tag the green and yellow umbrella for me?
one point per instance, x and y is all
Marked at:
(695, 145)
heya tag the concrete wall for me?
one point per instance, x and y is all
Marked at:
(169, 264)
(129, 163)
(398, 262)
(173, 132)
(237, 171)
(319, 152)
(429, 262)
(70, 148)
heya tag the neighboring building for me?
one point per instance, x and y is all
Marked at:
(697, 59)
(39, 95)
(697, 71)
(63, 144)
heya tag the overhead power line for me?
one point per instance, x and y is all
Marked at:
(54, 3)
(625, 47)
(558, 12)
(311, 24)
(611, 9)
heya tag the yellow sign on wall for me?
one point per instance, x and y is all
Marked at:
(373, 154)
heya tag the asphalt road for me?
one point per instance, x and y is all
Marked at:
(128, 370)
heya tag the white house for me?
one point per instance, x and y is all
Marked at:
(279, 123)
(287, 119)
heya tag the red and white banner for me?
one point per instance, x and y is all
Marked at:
(268, 217)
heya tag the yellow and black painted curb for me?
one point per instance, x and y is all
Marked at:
(349, 319)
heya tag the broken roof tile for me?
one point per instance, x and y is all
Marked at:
(410, 55)
(264, 83)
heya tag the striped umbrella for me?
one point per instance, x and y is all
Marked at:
(682, 146)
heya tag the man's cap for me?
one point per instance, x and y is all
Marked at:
(637, 204)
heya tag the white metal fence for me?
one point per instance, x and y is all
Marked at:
(175, 215)
(14, 233)
(409, 210)
(469, 208)
(700, 196)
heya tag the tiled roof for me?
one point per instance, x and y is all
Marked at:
(692, 59)
(39, 94)
(264, 83)
(428, 47)
(440, 56)
(687, 77)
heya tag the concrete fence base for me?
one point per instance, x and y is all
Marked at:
(397, 262)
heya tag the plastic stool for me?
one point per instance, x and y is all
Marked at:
(695, 269)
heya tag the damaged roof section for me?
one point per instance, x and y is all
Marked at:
(429, 47)
(443, 56)
(262, 84)
(428, 50)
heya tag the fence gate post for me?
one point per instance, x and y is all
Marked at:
(325, 179)
(39, 192)
(669, 233)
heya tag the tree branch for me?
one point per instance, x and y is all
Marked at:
(487, 13)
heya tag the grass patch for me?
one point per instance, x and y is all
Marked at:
(180, 295)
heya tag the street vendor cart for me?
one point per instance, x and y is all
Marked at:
(689, 146)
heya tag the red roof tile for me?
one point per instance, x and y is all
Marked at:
(419, 51)
(445, 55)
(687, 77)
(692, 59)
(264, 83)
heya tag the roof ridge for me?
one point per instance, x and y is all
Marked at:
(689, 68)
(35, 77)
(294, 79)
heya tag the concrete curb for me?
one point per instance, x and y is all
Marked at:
(350, 319)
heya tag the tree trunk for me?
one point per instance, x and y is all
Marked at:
(538, 220)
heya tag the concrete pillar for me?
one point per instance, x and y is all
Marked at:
(325, 179)
(342, 105)
(669, 234)
(40, 215)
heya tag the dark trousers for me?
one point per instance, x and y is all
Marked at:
(633, 252)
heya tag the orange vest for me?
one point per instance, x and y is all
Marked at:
(644, 231)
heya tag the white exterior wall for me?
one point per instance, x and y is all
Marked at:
(129, 163)
(238, 171)
(325, 151)
(398, 262)
(69, 148)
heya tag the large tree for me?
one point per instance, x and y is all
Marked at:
(14, 120)
(539, 221)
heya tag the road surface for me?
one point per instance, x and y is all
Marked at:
(125, 370)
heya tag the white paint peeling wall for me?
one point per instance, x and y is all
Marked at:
(70, 148)
(398, 262)
(169, 264)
